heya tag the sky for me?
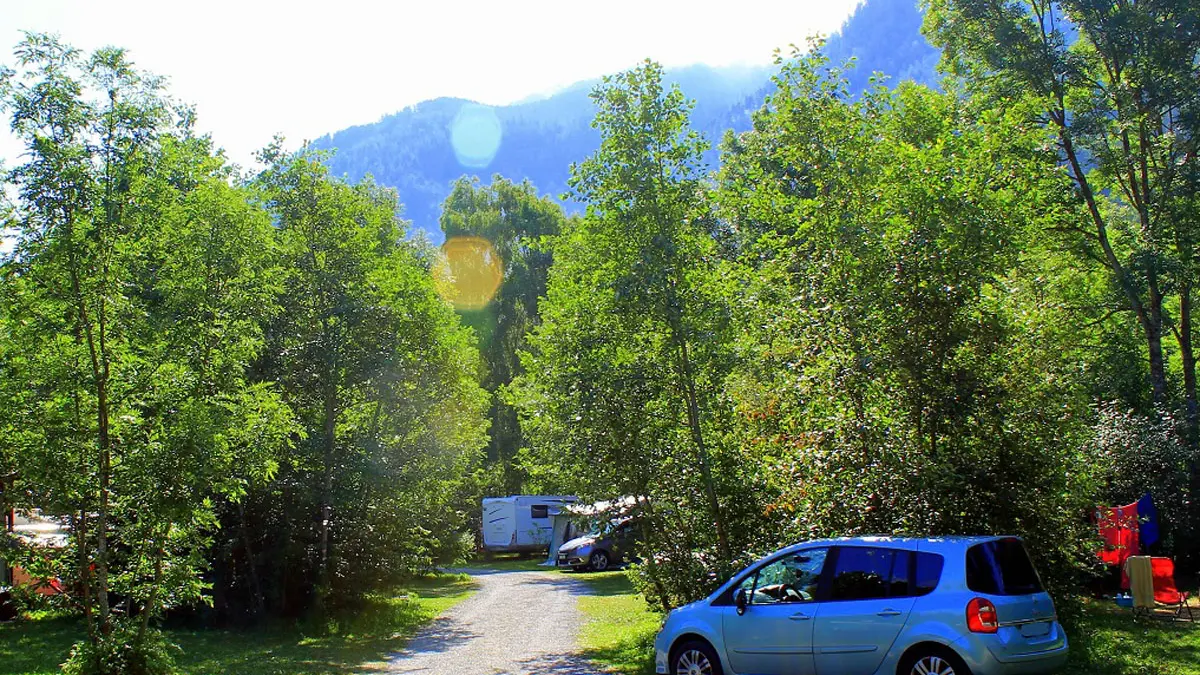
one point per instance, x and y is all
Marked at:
(255, 68)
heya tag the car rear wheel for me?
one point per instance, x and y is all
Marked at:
(598, 562)
(934, 662)
(695, 658)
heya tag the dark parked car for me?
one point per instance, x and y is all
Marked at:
(601, 549)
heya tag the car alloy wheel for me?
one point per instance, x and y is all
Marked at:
(599, 561)
(932, 665)
(693, 662)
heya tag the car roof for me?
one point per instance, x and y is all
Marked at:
(944, 545)
(932, 544)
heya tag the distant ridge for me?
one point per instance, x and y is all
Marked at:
(538, 138)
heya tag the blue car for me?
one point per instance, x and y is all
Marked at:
(872, 606)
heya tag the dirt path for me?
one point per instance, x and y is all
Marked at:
(516, 623)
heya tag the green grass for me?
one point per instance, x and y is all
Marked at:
(509, 562)
(1112, 642)
(360, 643)
(620, 628)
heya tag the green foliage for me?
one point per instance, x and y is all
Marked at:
(123, 652)
(1114, 83)
(517, 223)
(900, 373)
(383, 380)
(622, 392)
(132, 304)
(1137, 454)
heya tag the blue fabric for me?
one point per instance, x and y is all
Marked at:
(1147, 520)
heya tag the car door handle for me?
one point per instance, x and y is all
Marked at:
(889, 612)
(800, 616)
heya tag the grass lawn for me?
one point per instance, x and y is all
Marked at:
(509, 562)
(620, 628)
(619, 636)
(1111, 642)
(358, 644)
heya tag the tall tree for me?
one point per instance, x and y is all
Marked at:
(384, 381)
(132, 305)
(517, 224)
(1116, 83)
(623, 379)
(902, 371)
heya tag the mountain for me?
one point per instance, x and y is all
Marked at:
(422, 149)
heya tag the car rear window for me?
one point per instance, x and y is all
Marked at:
(1001, 567)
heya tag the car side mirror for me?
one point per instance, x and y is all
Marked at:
(741, 599)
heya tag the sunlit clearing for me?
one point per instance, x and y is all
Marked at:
(474, 270)
(475, 134)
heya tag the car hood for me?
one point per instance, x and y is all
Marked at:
(577, 542)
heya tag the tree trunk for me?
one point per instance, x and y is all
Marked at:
(256, 596)
(1149, 318)
(152, 602)
(327, 480)
(102, 516)
(651, 563)
(85, 574)
(1188, 358)
(693, 414)
(1154, 328)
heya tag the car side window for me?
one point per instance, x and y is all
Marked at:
(929, 573)
(792, 578)
(863, 573)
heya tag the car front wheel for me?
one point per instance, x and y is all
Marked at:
(598, 562)
(695, 658)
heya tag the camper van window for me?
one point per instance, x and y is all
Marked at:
(539, 511)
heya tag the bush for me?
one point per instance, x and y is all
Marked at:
(1136, 454)
(121, 653)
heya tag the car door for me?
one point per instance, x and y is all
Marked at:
(868, 603)
(774, 635)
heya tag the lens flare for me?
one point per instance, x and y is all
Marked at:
(472, 273)
(475, 134)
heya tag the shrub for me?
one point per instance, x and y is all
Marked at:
(122, 653)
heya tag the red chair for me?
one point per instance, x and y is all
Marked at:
(1165, 592)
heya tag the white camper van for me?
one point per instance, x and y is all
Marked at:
(520, 522)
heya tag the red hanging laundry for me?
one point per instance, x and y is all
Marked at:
(1119, 530)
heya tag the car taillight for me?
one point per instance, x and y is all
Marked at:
(981, 616)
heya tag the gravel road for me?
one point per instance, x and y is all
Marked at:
(516, 623)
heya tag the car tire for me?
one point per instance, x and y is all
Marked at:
(598, 561)
(695, 657)
(932, 661)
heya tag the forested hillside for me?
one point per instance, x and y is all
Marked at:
(537, 140)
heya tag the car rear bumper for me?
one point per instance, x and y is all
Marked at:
(982, 661)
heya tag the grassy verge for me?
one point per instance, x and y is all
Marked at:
(357, 644)
(1112, 642)
(619, 636)
(509, 562)
(620, 628)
